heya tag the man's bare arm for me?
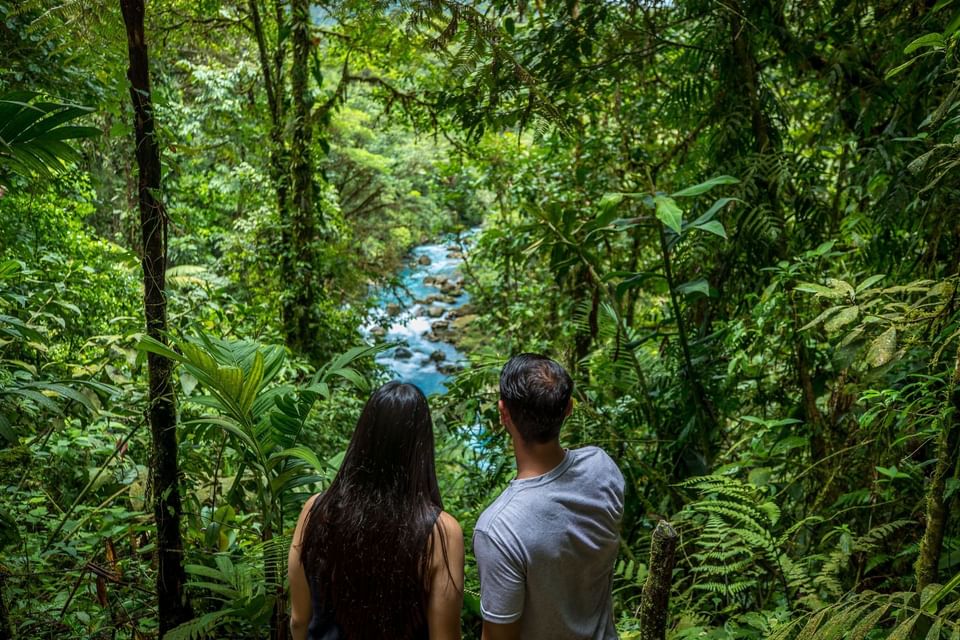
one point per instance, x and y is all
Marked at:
(493, 631)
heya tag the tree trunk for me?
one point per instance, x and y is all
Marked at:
(299, 306)
(274, 87)
(173, 608)
(654, 602)
(5, 632)
(937, 508)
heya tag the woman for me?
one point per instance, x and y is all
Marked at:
(375, 556)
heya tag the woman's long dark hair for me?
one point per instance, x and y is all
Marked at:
(367, 541)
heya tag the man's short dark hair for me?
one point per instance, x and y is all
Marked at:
(536, 391)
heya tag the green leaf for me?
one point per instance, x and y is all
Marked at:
(896, 70)
(929, 40)
(703, 187)
(820, 290)
(892, 472)
(713, 226)
(350, 374)
(252, 384)
(882, 348)
(6, 430)
(931, 605)
(694, 287)
(867, 624)
(869, 282)
(820, 318)
(152, 345)
(841, 319)
(713, 210)
(902, 632)
(835, 288)
(610, 201)
(300, 452)
(669, 213)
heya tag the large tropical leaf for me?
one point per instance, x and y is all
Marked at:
(34, 135)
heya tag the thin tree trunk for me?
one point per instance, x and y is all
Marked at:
(699, 391)
(937, 508)
(273, 85)
(655, 601)
(173, 608)
(299, 308)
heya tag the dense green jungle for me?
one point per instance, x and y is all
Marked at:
(736, 222)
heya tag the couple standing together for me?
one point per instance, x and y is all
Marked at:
(376, 557)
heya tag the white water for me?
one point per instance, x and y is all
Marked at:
(411, 325)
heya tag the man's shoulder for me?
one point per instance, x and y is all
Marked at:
(595, 457)
(487, 522)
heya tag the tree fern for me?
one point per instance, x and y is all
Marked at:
(901, 616)
(733, 549)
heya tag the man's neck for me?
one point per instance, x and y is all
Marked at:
(535, 459)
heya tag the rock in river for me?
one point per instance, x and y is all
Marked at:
(424, 260)
(438, 356)
(393, 308)
(463, 321)
(451, 289)
(402, 353)
(448, 368)
(435, 311)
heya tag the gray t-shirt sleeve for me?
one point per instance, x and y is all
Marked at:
(502, 580)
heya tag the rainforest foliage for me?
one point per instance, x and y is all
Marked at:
(736, 222)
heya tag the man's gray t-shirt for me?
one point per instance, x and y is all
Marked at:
(546, 548)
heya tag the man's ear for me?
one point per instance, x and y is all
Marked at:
(569, 409)
(506, 420)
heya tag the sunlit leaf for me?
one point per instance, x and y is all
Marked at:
(669, 213)
(882, 348)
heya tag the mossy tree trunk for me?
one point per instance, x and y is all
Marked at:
(299, 308)
(655, 601)
(948, 448)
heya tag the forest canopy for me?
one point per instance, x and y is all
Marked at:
(734, 222)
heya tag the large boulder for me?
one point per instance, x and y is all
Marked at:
(402, 353)
(435, 311)
(438, 356)
(465, 310)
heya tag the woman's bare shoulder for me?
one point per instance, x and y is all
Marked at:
(449, 525)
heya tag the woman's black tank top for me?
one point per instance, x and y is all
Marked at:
(323, 625)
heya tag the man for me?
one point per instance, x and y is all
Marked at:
(547, 545)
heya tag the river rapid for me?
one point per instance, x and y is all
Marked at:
(423, 312)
